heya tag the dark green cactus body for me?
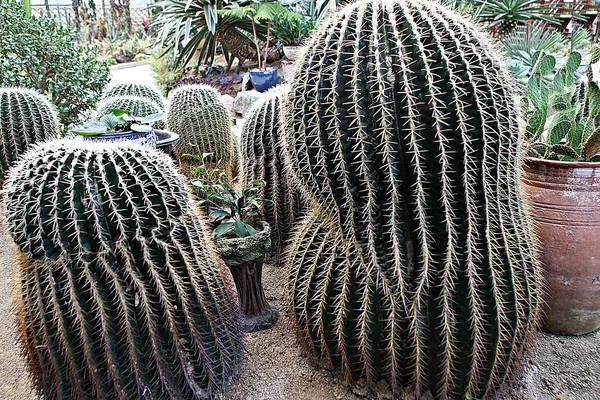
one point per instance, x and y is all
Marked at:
(137, 106)
(261, 158)
(26, 117)
(135, 90)
(416, 264)
(121, 295)
(202, 121)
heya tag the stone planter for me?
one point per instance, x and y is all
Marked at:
(565, 206)
(293, 52)
(245, 258)
(165, 140)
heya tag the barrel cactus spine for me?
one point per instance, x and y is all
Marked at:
(262, 158)
(203, 123)
(416, 263)
(147, 92)
(120, 292)
(26, 117)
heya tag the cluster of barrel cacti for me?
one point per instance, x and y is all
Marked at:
(26, 117)
(202, 121)
(120, 292)
(416, 263)
(261, 158)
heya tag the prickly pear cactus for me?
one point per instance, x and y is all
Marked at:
(138, 106)
(26, 117)
(120, 292)
(148, 92)
(261, 158)
(202, 121)
(416, 264)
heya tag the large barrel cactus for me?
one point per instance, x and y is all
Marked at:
(120, 293)
(261, 158)
(148, 92)
(202, 121)
(416, 264)
(26, 117)
(138, 106)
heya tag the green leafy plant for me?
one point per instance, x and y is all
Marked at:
(189, 28)
(40, 54)
(232, 213)
(562, 113)
(291, 32)
(415, 261)
(505, 15)
(118, 121)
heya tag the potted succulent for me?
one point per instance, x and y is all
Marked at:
(243, 240)
(561, 180)
(263, 78)
(118, 126)
(291, 32)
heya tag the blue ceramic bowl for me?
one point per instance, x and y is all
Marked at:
(263, 80)
(147, 140)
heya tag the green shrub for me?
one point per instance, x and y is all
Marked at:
(38, 53)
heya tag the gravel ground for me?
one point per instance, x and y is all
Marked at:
(275, 368)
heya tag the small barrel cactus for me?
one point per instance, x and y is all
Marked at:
(26, 117)
(138, 106)
(261, 158)
(120, 292)
(202, 121)
(148, 92)
(416, 263)
(196, 95)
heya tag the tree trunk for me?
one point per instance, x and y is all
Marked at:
(120, 14)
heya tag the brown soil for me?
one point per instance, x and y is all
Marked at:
(275, 367)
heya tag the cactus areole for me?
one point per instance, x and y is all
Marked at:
(416, 264)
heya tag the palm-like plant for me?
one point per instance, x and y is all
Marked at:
(257, 13)
(190, 27)
(506, 15)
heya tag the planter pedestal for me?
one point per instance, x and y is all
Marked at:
(245, 258)
(565, 207)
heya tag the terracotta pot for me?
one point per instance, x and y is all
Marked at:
(565, 206)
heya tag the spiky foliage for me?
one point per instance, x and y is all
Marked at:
(135, 90)
(202, 121)
(138, 106)
(120, 294)
(416, 264)
(26, 117)
(262, 158)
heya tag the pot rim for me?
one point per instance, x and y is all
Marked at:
(110, 135)
(563, 164)
(260, 71)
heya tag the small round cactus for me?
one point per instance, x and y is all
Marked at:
(120, 291)
(26, 117)
(148, 92)
(137, 106)
(261, 158)
(203, 123)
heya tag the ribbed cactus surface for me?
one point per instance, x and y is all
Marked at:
(202, 121)
(26, 117)
(148, 92)
(120, 294)
(416, 264)
(137, 106)
(262, 158)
